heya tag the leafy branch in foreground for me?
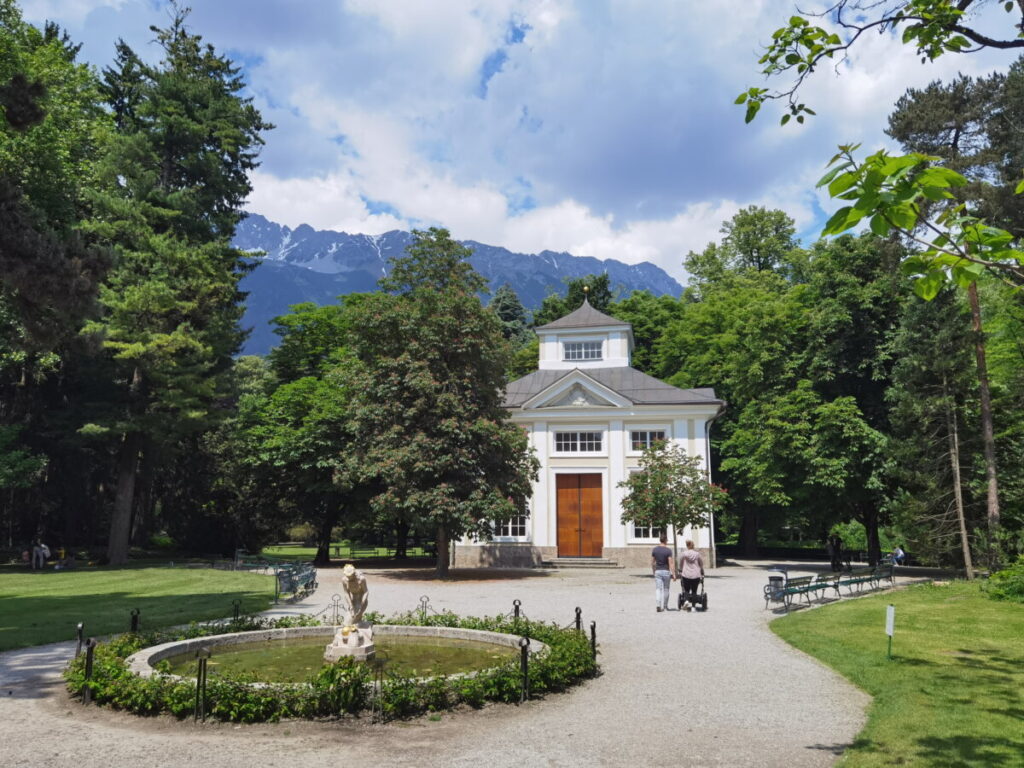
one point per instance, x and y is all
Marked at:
(893, 193)
(933, 27)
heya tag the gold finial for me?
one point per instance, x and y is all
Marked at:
(586, 289)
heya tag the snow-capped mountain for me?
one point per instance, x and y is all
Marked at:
(305, 264)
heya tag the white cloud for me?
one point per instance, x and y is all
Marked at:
(67, 12)
(607, 130)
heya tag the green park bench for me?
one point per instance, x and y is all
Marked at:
(857, 577)
(296, 580)
(785, 591)
(826, 581)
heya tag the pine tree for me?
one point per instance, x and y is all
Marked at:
(175, 178)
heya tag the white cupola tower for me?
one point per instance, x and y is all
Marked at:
(585, 339)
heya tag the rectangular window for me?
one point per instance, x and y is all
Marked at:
(642, 439)
(578, 442)
(512, 527)
(582, 350)
(642, 532)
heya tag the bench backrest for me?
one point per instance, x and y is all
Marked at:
(799, 581)
(826, 578)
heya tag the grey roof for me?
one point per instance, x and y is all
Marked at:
(637, 387)
(584, 317)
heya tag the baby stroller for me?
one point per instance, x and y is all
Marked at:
(698, 601)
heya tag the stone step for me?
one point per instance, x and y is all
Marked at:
(580, 562)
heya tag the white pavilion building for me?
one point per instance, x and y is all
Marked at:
(590, 416)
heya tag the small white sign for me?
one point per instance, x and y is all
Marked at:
(890, 620)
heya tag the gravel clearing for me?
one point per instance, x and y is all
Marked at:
(707, 689)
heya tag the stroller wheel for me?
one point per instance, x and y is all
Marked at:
(704, 602)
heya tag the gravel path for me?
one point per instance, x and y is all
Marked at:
(713, 689)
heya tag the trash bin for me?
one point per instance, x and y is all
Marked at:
(777, 578)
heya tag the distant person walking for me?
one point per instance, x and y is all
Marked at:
(835, 552)
(691, 571)
(664, 568)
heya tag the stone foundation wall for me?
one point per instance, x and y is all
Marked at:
(502, 555)
(639, 556)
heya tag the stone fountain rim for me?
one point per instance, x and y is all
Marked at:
(141, 663)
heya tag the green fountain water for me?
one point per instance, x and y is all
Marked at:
(294, 660)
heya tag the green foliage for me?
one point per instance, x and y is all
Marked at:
(510, 310)
(598, 293)
(19, 467)
(933, 27)
(671, 489)
(1008, 584)
(311, 338)
(649, 315)
(892, 193)
(425, 380)
(336, 690)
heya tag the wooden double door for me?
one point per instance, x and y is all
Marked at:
(580, 519)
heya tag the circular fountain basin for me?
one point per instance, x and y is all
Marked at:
(293, 654)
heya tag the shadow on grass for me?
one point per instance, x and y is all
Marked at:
(959, 751)
(38, 620)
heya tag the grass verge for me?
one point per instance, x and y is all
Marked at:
(44, 607)
(950, 696)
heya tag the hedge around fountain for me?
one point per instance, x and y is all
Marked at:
(336, 690)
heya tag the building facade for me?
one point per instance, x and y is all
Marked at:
(589, 416)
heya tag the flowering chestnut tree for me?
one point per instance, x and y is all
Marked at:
(671, 488)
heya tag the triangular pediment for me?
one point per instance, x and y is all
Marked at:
(577, 390)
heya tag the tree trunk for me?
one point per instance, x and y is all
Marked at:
(748, 533)
(323, 544)
(869, 518)
(442, 551)
(401, 539)
(958, 496)
(143, 518)
(987, 429)
(121, 516)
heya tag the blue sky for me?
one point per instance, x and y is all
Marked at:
(601, 127)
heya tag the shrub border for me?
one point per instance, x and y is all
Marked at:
(337, 690)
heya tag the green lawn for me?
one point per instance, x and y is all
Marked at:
(951, 696)
(44, 607)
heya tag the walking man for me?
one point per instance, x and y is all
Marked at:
(664, 568)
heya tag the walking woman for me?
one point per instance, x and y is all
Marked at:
(691, 570)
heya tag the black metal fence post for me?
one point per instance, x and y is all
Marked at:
(90, 648)
(135, 621)
(593, 640)
(237, 605)
(524, 661)
(335, 609)
(515, 607)
(203, 656)
(424, 604)
(80, 634)
(579, 619)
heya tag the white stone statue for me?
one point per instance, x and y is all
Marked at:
(353, 584)
(355, 637)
